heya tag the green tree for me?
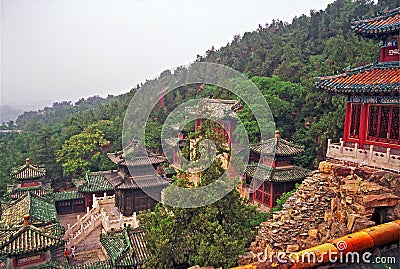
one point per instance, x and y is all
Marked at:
(82, 152)
(211, 235)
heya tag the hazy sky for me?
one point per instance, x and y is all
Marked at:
(55, 50)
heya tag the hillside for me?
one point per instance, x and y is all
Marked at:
(281, 58)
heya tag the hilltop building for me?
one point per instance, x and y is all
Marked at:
(222, 109)
(127, 188)
(372, 123)
(270, 172)
(135, 178)
(28, 177)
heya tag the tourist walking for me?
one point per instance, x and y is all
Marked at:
(66, 254)
(73, 252)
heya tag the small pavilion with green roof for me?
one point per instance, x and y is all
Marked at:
(270, 172)
(29, 232)
(28, 177)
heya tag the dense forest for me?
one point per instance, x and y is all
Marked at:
(281, 58)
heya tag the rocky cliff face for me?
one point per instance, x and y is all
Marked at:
(334, 201)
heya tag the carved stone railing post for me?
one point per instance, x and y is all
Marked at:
(68, 231)
(341, 146)
(356, 150)
(371, 152)
(328, 150)
(388, 155)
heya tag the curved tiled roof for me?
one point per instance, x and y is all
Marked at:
(127, 248)
(27, 239)
(139, 161)
(41, 191)
(93, 182)
(372, 79)
(263, 172)
(137, 156)
(39, 209)
(68, 195)
(120, 181)
(28, 171)
(279, 146)
(388, 23)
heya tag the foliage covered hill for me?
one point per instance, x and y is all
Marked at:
(321, 43)
(281, 58)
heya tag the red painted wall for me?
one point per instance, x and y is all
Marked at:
(29, 260)
(390, 54)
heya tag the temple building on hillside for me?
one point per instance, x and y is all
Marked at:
(372, 123)
(127, 188)
(28, 177)
(133, 176)
(222, 109)
(30, 234)
(270, 172)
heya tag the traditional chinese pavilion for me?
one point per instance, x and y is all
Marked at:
(135, 178)
(222, 109)
(28, 177)
(371, 128)
(126, 249)
(272, 173)
(30, 233)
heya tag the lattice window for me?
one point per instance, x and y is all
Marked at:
(355, 120)
(267, 199)
(383, 124)
(263, 194)
(258, 197)
(395, 127)
(373, 121)
(267, 187)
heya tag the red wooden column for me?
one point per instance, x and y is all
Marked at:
(86, 200)
(271, 202)
(363, 124)
(347, 122)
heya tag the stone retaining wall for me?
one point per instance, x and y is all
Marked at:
(334, 201)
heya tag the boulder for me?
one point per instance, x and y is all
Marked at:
(363, 172)
(380, 200)
(325, 167)
(362, 223)
(341, 171)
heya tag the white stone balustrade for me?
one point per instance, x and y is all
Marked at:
(95, 217)
(366, 157)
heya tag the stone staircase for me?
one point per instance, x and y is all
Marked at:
(95, 217)
(83, 227)
(58, 256)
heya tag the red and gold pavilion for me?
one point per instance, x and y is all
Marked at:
(371, 128)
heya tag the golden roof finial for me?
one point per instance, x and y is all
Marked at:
(277, 134)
